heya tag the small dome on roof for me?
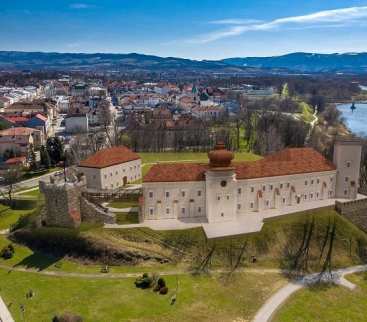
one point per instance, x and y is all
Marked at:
(220, 157)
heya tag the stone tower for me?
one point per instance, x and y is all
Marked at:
(62, 202)
(347, 159)
(220, 182)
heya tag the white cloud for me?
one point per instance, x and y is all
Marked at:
(326, 18)
(234, 21)
(80, 6)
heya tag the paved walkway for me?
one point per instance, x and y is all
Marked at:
(268, 310)
(5, 315)
(4, 232)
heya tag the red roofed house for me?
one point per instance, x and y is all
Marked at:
(19, 139)
(225, 191)
(111, 168)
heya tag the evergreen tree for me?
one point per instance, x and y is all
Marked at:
(32, 158)
(55, 149)
(45, 157)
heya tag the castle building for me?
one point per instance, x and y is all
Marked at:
(110, 169)
(224, 191)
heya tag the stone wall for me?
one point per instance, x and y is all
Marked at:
(355, 211)
(66, 207)
(94, 213)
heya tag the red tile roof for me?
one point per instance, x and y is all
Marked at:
(287, 162)
(18, 131)
(15, 160)
(109, 157)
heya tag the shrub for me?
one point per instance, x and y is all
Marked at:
(161, 282)
(163, 290)
(144, 281)
(7, 252)
(67, 317)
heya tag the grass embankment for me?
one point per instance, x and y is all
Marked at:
(202, 298)
(275, 246)
(327, 303)
(122, 204)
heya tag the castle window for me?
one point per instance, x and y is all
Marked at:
(318, 181)
(238, 206)
(167, 194)
(151, 211)
(281, 186)
(346, 179)
(150, 194)
(252, 189)
(223, 183)
(222, 214)
(183, 193)
(348, 164)
(199, 209)
(117, 172)
(267, 203)
(183, 210)
(94, 177)
(239, 191)
(345, 192)
(251, 205)
(264, 188)
(305, 197)
(311, 196)
(317, 195)
(105, 176)
(199, 193)
(218, 198)
(283, 200)
(312, 181)
(167, 211)
(227, 197)
(306, 183)
(288, 185)
(331, 179)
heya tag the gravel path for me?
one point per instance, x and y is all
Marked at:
(268, 310)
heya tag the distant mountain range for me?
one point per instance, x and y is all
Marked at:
(101, 61)
(292, 63)
(307, 62)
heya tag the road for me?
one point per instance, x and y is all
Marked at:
(29, 183)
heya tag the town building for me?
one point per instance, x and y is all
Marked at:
(111, 169)
(223, 191)
(20, 139)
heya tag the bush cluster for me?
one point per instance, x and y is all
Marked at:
(157, 283)
(67, 317)
(7, 252)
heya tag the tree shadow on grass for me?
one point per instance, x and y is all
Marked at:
(38, 261)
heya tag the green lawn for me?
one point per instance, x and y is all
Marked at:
(9, 216)
(34, 194)
(307, 113)
(148, 157)
(124, 218)
(122, 204)
(205, 298)
(327, 304)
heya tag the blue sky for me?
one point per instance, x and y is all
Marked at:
(200, 29)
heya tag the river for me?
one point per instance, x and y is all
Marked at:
(355, 121)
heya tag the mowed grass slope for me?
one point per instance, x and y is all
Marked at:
(327, 303)
(202, 298)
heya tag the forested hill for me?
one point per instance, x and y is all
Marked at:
(307, 62)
